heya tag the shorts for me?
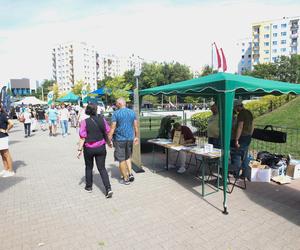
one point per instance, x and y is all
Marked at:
(52, 122)
(123, 150)
(42, 122)
(4, 143)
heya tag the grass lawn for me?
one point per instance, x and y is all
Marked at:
(287, 119)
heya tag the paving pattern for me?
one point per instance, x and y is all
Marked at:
(45, 206)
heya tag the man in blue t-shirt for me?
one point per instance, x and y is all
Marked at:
(52, 116)
(124, 132)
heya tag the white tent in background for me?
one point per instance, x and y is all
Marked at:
(30, 100)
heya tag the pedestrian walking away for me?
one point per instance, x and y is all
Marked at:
(124, 132)
(52, 116)
(64, 119)
(26, 115)
(93, 134)
(5, 125)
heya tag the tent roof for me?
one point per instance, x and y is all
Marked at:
(70, 97)
(30, 100)
(224, 82)
(100, 91)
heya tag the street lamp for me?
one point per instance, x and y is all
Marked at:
(137, 73)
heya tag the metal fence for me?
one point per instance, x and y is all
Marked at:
(292, 145)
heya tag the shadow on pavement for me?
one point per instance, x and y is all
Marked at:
(97, 181)
(284, 200)
(13, 142)
(187, 180)
(18, 164)
(8, 182)
(114, 171)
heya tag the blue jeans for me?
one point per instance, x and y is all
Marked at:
(64, 127)
(239, 157)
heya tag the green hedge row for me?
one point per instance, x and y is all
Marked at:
(257, 107)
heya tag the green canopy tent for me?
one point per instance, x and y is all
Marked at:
(224, 87)
(70, 97)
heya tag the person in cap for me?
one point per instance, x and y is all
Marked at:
(241, 137)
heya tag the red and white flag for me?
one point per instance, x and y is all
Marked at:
(218, 55)
(223, 61)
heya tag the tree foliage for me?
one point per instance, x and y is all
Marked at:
(119, 88)
(78, 87)
(286, 69)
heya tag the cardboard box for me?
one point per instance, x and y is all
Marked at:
(293, 171)
(277, 171)
(260, 174)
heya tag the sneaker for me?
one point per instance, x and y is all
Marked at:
(2, 172)
(125, 182)
(131, 178)
(88, 189)
(181, 170)
(109, 193)
(8, 174)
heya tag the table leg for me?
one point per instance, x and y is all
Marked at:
(203, 181)
(167, 159)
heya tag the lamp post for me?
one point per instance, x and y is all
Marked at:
(137, 73)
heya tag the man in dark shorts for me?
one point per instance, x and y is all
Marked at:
(124, 131)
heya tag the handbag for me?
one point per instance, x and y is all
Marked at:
(22, 119)
(101, 129)
(269, 135)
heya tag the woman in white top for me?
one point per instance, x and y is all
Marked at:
(27, 121)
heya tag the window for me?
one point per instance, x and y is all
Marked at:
(267, 43)
(283, 33)
(274, 34)
(275, 26)
(266, 36)
(283, 49)
(283, 41)
(266, 59)
(243, 50)
(274, 43)
(243, 56)
(267, 52)
(249, 56)
(283, 25)
(274, 51)
(243, 44)
(266, 27)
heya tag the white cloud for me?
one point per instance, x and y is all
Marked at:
(153, 31)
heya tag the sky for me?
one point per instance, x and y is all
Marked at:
(165, 30)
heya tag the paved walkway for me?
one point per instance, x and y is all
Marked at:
(45, 206)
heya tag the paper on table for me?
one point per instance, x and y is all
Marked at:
(178, 148)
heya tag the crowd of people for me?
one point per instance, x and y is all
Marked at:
(94, 133)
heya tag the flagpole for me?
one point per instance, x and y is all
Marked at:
(212, 57)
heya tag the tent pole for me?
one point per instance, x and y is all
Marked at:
(225, 107)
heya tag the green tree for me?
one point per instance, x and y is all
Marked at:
(207, 70)
(119, 88)
(76, 89)
(129, 77)
(151, 75)
(102, 83)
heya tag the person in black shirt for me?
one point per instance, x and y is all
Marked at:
(5, 125)
(41, 117)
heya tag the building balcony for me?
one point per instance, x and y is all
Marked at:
(294, 35)
(294, 44)
(294, 27)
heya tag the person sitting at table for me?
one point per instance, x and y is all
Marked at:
(187, 138)
(213, 127)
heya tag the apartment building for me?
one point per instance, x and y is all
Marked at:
(73, 62)
(275, 38)
(245, 52)
(112, 65)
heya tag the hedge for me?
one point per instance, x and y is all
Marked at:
(257, 107)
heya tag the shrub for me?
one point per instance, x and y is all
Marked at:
(200, 120)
